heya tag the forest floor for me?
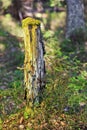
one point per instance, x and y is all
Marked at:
(8, 67)
(64, 105)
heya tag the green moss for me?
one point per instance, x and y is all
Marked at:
(28, 113)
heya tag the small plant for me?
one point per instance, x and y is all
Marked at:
(77, 91)
(29, 112)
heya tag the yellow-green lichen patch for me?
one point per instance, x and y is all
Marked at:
(31, 21)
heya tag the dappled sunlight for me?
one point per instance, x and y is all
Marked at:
(58, 21)
(9, 24)
(55, 21)
(2, 47)
(6, 3)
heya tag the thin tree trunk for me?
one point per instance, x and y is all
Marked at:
(75, 16)
(26, 9)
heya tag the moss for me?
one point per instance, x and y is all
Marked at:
(28, 113)
(31, 21)
(30, 43)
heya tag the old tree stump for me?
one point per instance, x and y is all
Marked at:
(34, 64)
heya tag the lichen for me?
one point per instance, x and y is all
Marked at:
(30, 21)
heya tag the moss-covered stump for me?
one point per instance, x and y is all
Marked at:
(34, 69)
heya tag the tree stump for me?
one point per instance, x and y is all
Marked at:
(34, 64)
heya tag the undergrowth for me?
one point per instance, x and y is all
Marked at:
(67, 76)
(65, 96)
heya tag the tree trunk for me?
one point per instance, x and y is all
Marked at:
(26, 9)
(75, 16)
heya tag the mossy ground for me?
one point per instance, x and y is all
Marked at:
(65, 96)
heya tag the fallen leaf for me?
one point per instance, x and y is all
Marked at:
(21, 120)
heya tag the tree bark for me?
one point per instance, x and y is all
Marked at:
(75, 16)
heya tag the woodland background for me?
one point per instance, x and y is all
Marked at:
(64, 105)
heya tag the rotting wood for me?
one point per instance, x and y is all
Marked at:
(34, 64)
